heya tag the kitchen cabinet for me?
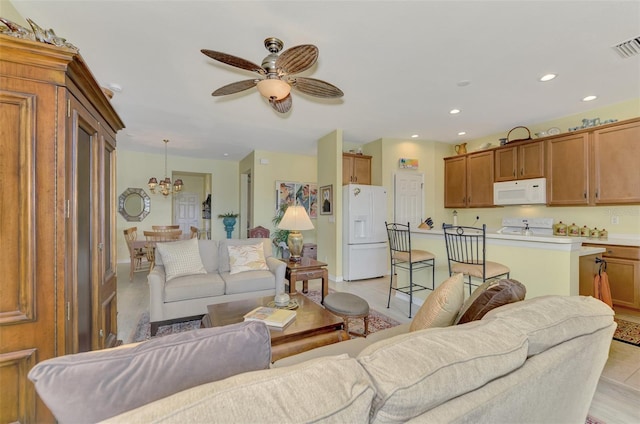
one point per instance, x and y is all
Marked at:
(568, 170)
(588, 268)
(356, 169)
(523, 161)
(58, 216)
(469, 180)
(623, 269)
(596, 166)
(616, 177)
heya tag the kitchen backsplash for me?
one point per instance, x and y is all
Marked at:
(602, 217)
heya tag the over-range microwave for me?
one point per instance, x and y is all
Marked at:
(520, 192)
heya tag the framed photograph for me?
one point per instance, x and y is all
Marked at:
(326, 199)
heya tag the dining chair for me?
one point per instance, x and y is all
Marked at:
(466, 254)
(136, 255)
(158, 236)
(404, 257)
(258, 232)
(193, 231)
(165, 227)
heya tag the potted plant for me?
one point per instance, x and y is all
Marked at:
(280, 236)
(229, 221)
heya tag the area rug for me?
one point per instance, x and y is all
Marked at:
(143, 329)
(627, 332)
(377, 321)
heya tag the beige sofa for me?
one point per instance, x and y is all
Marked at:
(189, 295)
(534, 361)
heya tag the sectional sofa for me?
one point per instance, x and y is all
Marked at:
(533, 361)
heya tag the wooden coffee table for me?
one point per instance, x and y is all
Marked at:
(313, 326)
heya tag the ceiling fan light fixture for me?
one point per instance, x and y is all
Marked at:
(273, 88)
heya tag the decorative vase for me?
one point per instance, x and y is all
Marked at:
(229, 222)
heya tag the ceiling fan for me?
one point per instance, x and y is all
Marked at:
(277, 71)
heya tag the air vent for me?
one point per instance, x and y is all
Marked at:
(628, 48)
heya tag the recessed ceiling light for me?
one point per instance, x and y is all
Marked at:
(589, 98)
(462, 133)
(547, 77)
(454, 111)
(463, 83)
(225, 154)
(115, 87)
(415, 136)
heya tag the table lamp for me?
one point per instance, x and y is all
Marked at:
(295, 219)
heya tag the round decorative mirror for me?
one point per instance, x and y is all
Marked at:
(134, 204)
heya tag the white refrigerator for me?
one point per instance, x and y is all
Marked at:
(364, 253)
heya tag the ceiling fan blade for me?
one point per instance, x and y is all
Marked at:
(283, 105)
(297, 59)
(235, 87)
(238, 62)
(316, 87)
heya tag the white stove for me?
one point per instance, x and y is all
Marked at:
(537, 226)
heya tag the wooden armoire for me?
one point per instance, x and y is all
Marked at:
(57, 216)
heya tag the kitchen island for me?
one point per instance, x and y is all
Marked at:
(546, 265)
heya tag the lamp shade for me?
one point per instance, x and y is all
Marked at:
(274, 88)
(296, 219)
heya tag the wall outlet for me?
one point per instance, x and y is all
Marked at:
(615, 219)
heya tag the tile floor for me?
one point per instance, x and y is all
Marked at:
(616, 401)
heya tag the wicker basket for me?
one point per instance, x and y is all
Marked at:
(518, 139)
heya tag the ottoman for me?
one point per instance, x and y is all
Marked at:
(346, 306)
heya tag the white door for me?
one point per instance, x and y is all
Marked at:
(408, 198)
(186, 211)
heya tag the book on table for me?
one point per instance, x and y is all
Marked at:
(273, 317)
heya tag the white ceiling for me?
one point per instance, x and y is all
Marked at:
(399, 64)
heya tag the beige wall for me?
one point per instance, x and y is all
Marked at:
(134, 170)
(280, 167)
(329, 227)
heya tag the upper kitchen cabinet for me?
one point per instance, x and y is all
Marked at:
(616, 175)
(58, 259)
(595, 166)
(356, 169)
(568, 170)
(520, 162)
(468, 180)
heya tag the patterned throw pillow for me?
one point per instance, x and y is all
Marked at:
(442, 306)
(181, 258)
(248, 257)
(491, 295)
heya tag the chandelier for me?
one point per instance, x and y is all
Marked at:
(165, 185)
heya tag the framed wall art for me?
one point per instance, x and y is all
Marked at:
(326, 197)
(296, 193)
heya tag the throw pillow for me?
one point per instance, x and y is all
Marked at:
(248, 257)
(495, 294)
(112, 381)
(442, 305)
(181, 258)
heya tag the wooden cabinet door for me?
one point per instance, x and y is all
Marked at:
(362, 170)
(616, 172)
(91, 282)
(624, 280)
(455, 182)
(347, 169)
(480, 179)
(506, 163)
(31, 287)
(568, 170)
(356, 169)
(531, 160)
